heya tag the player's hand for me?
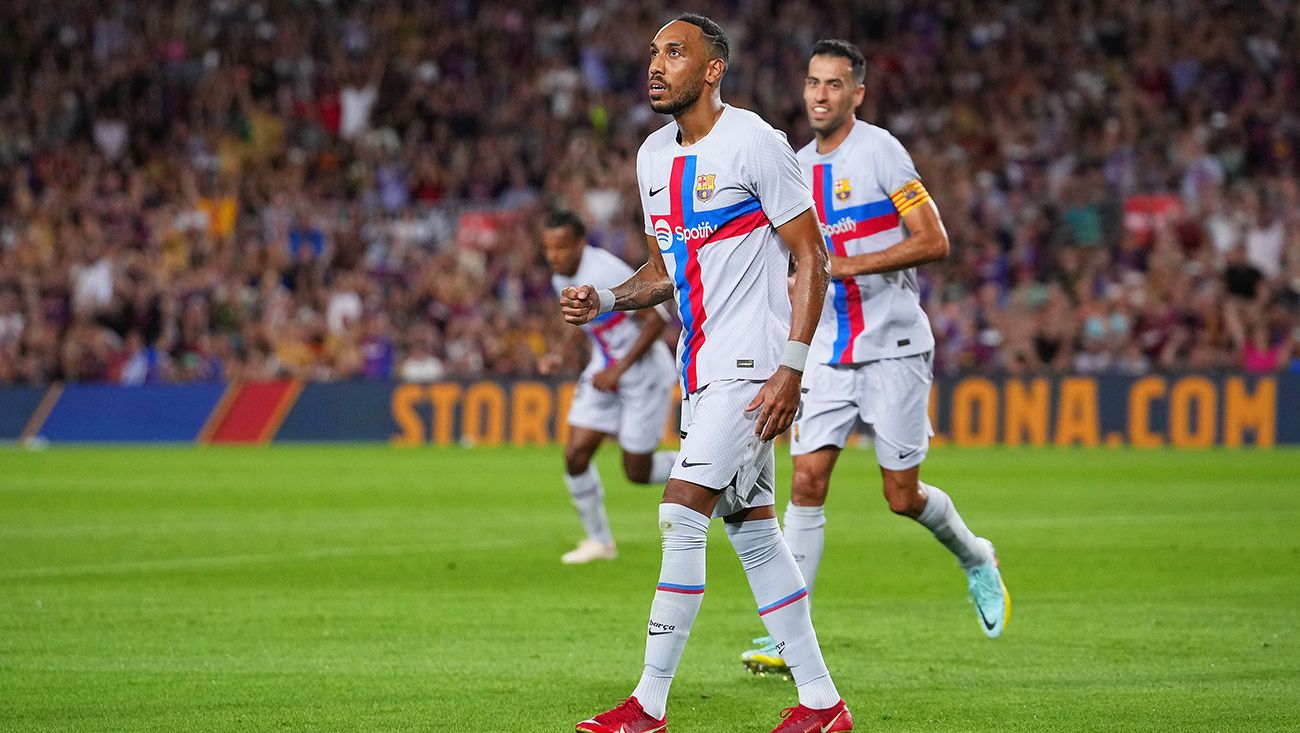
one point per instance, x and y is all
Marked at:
(548, 364)
(777, 402)
(579, 305)
(840, 267)
(606, 380)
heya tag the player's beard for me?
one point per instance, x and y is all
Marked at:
(830, 124)
(681, 102)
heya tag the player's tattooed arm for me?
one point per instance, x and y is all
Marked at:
(649, 286)
(927, 241)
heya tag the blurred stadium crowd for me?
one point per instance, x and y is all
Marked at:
(327, 189)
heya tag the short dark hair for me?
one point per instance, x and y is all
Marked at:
(565, 218)
(713, 33)
(843, 49)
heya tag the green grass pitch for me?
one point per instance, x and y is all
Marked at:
(383, 589)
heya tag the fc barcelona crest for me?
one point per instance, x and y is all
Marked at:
(704, 186)
(843, 190)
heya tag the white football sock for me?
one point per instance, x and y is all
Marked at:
(661, 466)
(589, 499)
(941, 518)
(783, 606)
(806, 535)
(676, 603)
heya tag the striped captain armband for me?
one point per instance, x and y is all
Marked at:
(911, 195)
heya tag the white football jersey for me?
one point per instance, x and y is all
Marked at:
(861, 190)
(713, 208)
(612, 334)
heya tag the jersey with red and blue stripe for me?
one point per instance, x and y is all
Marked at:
(859, 189)
(712, 209)
(612, 334)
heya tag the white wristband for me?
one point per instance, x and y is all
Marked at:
(795, 356)
(606, 301)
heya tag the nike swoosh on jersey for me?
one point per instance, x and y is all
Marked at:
(655, 191)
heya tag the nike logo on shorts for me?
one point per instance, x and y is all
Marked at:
(687, 464)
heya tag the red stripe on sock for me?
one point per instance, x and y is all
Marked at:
(783, 605)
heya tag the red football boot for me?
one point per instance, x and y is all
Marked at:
(800, 719)
(628, 717)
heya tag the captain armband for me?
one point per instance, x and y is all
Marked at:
(911, 195)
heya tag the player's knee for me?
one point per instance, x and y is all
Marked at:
(808, 487)
(755, 544)
(576, 460)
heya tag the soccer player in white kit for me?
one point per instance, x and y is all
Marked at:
(625, 391)
(871, 357)
(725, 209)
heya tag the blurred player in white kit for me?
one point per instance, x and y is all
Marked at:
(624, 392)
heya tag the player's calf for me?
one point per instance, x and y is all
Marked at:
(637, 466)
(648, 468)
(903, 492)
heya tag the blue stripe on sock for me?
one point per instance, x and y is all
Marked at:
(784, 601)
(676, 586)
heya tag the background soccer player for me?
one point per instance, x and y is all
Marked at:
(723, 199)
(871, 357)
(625, 391)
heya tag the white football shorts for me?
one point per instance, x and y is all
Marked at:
(720, 450)
(637, 413)
(892, 396)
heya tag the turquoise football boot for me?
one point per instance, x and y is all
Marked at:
(764, 659)
(989, 594)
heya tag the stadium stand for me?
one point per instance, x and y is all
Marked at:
(352, 190)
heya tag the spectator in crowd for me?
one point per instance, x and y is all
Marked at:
(352, 190)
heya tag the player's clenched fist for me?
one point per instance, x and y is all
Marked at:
(579, 305)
